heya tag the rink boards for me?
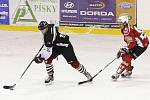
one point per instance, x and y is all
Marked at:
(68, 30)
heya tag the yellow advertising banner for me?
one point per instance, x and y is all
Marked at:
(129, 8)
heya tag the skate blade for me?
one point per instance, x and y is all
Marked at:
(114, 79)
(126, 76)
(50, 83)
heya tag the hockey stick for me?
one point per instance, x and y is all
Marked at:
(90, 29)
(90, 80)
(12, 87)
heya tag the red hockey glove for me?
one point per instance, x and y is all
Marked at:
(122, 51)
(38, 59)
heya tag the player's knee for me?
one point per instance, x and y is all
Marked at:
(75, 64)
(127, 58)
(125, 64)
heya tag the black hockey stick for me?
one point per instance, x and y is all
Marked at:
(9, 87)
(90, 80)
(12, 87)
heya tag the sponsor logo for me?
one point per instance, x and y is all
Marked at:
(69, 11)
(99, 13)
(3, 6)
(99, 5)
(22, 14)
(69, 5)
(125, 5)
(5, 13)
(51, 1)
(126, 14)
(62, 44)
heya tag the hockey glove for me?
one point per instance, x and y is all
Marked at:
(121, 52)
(38, 59)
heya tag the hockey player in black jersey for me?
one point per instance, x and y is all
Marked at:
(56, 44)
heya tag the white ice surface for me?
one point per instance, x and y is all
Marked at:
(17, 49)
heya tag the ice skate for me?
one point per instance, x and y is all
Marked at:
(88, 76)
(115, 77)
(118, 72)
(49, 80)
(128, 73)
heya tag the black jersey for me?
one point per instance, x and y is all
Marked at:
(53, 38)
(60, 43)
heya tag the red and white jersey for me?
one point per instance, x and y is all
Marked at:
(133, 36)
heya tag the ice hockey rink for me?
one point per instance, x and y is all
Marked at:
(17, 49)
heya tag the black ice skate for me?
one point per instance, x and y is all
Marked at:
(88, 76)
(49, 80)
(115, 76)
(128, 73)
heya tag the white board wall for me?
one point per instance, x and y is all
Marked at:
(143, 12)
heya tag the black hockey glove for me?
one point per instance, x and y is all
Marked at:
(121, 52)
(38, 59)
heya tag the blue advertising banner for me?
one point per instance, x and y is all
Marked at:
(4, 11)
(69, 10)
(88, 11)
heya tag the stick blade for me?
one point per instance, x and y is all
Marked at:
(82, 82)
(9, 87)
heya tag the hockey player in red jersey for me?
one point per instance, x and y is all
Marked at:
(137, 42)
(55, 44)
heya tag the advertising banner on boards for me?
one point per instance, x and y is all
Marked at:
(102, 13)
(31, 12)
(4, 11)
(92, 11)
(128, 8)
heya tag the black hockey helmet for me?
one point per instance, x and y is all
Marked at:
(42, 25)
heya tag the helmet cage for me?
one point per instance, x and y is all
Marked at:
(42, 25)
(123, 19)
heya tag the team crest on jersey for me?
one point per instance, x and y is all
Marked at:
(128, 39)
